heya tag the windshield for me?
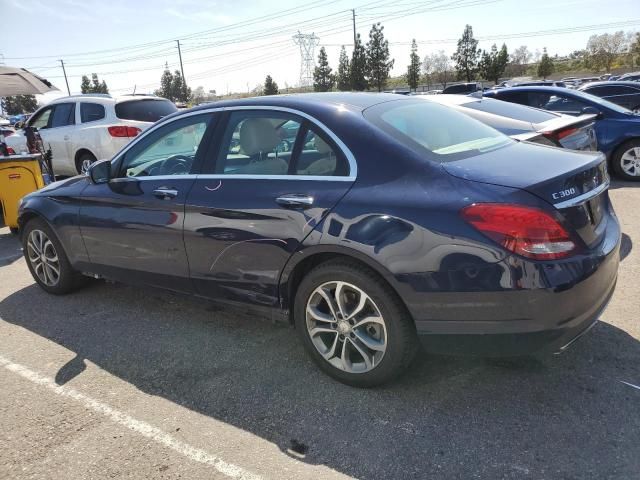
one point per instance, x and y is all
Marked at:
(428, 127)
(511, 110)
(602, 102)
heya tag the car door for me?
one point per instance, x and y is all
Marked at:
(132, 225)
(252, 208)
(58, 135)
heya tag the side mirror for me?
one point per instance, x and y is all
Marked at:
(591, 111)
(100, 172)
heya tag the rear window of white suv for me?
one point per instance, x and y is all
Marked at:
(146, 110)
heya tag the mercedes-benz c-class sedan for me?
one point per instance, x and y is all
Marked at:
(389, 221)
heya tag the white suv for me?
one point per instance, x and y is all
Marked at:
(81, 129)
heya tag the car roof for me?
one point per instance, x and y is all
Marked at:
(453, 99)
(103, 98)
(355, 100)
(611, 83)
(541, 88)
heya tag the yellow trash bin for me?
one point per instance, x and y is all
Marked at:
(19, 175)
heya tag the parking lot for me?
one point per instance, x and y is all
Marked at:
(115, 381)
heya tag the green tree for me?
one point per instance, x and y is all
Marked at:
(270, 87)
(166, 82)
(18, 104)
(323, 79)
(179, 90)
(344, 77)
(467, 55)
(358, 67)
(93, 86)
(413, 70)
(378, 63)
(85, 85)
(493, 64)
(604, 49)
(634, 50)
(546, 66)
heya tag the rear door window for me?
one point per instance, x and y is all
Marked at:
(258, 144)
(91, 112)
(318, 157)
(64, 114)
(147, 110)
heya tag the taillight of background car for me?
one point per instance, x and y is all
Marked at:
(123, 131)
(526, 231)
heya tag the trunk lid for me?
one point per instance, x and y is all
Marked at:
(575, 133)
(574, 182)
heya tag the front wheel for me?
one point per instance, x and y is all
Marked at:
(47, 260)
(626, 161)
(352, 325)
(84, 162)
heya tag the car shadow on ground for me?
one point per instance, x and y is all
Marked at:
(566, 416)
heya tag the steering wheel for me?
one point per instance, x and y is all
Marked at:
(176, 165)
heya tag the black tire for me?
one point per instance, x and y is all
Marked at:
(68, 279)
(85, 157)
(401, 338)
(616, 160)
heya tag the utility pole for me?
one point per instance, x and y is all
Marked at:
(65, 77)
(184, 80)
(353, 13)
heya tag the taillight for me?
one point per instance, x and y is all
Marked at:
(10, 151)
(560, 134)
(123, 131)
(526, 231)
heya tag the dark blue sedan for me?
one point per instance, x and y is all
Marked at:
(617, 128)
(390, 220)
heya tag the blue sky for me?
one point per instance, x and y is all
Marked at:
(128, 42)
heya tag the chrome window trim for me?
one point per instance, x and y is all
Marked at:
(353, 166)
(580, 199)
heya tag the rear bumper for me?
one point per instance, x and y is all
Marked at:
(539, 307)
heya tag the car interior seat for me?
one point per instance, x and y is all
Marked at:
(259, 139)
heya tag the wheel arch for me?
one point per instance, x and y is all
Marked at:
(302, 262)
(81, 151)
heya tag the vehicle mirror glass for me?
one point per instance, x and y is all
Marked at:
(100, 172)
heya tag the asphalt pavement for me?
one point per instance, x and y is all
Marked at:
(121, 382)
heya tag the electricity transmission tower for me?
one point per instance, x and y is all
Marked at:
(307, 43)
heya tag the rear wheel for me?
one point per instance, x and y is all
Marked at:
(354, 328)
(84, 161)
(626, 161)
(47, 260)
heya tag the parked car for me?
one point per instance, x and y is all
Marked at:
(84, 128)
(630, 77)
(462, 88)
(393, 219)
(540, 83)
(613, 78)
(617, 128)
(526, 123)
(625, 94)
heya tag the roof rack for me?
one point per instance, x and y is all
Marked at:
(104, 95)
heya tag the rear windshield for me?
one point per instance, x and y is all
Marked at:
(511, 110)
(147, 110)
(429, 127)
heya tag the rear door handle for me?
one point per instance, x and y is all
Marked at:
(165, 193)
(66, 137)
(295, 200)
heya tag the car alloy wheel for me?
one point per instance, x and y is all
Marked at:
(630, 162)
(346, 327)
(43, 258)
(84, 166)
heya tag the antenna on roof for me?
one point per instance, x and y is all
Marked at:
(134, 89)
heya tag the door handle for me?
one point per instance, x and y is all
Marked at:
(66, 137)
(165, 193)
(295, 200)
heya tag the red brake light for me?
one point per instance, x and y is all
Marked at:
(560, 134)
(526, 231)
(123, 131)
(10, 151)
